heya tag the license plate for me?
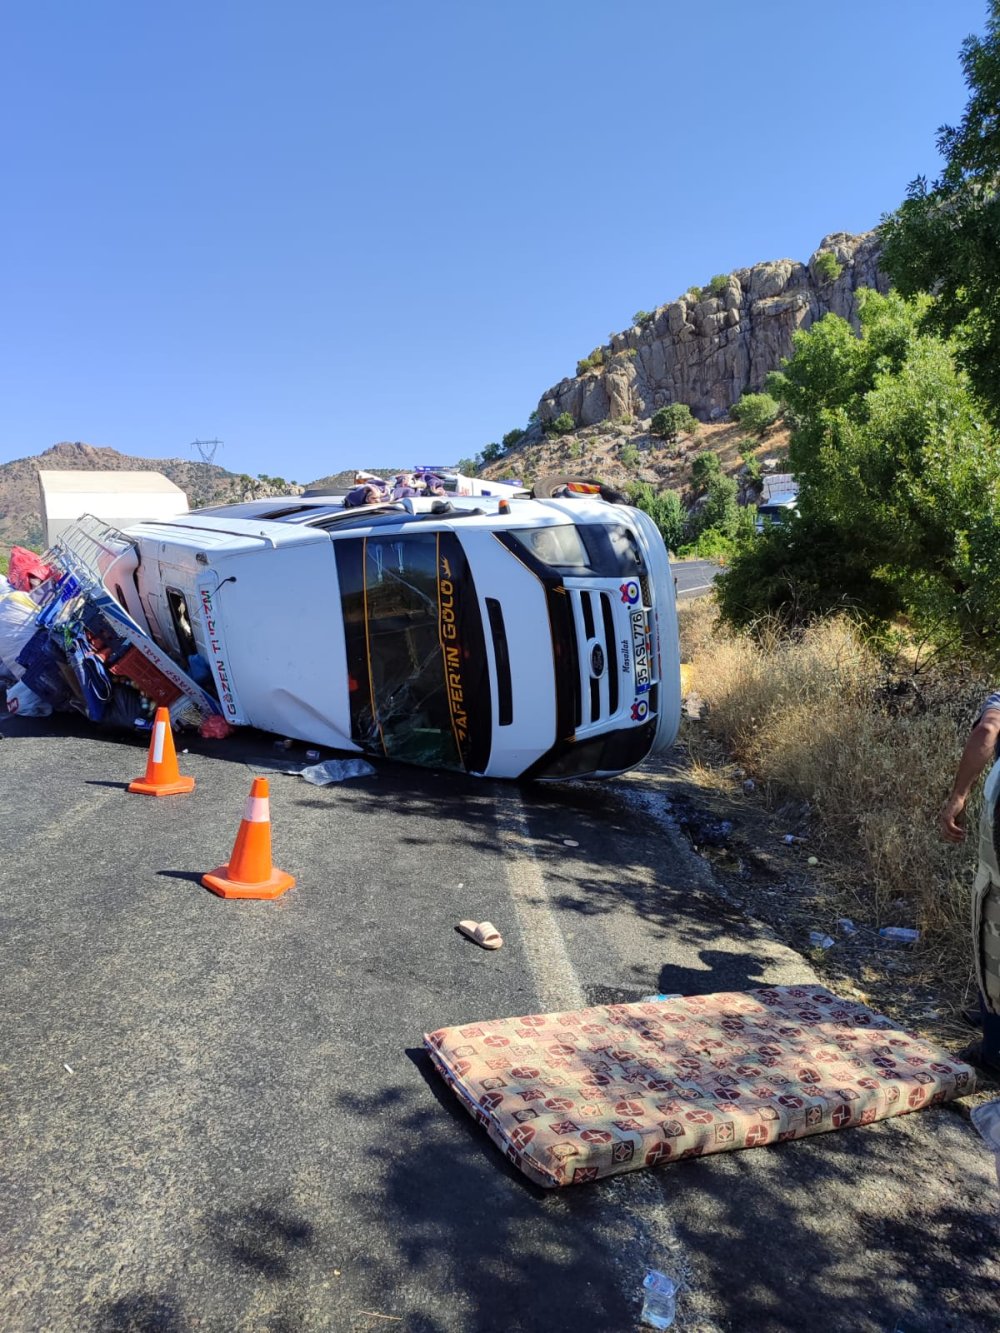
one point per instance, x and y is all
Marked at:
(640, 651)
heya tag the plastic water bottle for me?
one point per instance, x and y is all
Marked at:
(903, 934)
(659, 1304)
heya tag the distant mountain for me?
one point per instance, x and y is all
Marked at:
(202, 483)
(343, 481)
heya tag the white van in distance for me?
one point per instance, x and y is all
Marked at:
(510, 638)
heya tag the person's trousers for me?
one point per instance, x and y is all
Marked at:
(991, 1031)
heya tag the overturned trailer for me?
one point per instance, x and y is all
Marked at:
(512, 638)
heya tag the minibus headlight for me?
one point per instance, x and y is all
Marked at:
(556, 544)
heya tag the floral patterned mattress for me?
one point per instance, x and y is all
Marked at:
(574, 1096)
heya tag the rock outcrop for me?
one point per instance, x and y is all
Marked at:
(708, 350)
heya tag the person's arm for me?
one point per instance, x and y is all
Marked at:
(978, 752)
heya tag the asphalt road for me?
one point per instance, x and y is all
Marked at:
(218, 1116)
(694, 577)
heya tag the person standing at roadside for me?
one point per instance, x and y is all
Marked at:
(981, 749)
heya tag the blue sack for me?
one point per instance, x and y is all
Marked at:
(91, 675)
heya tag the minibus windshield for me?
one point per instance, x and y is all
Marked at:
(416, 657)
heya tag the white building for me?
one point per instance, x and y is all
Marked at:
(118, 498)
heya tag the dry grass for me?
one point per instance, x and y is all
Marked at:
(817, 719)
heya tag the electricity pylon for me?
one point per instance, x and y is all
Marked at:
(206, 448)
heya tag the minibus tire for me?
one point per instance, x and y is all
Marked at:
(546, 487)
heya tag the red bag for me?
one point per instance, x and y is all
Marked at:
(23, 563)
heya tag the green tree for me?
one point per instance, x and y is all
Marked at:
(721, 510)
(491, 452)
(828, 266)
(469, 466)
(642, 317)
(704, 467)
(664, 508)
(563, 424)
(591, 362)
(629, 456)
(899, 496)
(747, 450)
(946, 239)
(512, 438)
(673, 420)
(755, 411)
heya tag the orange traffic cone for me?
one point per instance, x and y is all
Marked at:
(250, 873)
(162, 775)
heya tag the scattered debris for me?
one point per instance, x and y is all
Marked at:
(749, 785)
(846, 926)
(214, 728)
(703, 830)
(901, 934)
(812, 861)
(820, 941)
(25, 702)
(659, 1303)
(483, 933)
(336, 770)
(791, 838)
(694, 705)
(312, 754)
(568, 842)
(67, 1069)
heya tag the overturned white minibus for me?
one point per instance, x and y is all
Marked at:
(511, 638)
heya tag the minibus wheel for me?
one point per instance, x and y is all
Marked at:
(560, 485)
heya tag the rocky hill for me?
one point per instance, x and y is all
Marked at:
(203, 483)
(621, 454)
(706, 349)
(714, 344)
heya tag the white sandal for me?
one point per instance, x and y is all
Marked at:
(483, 933)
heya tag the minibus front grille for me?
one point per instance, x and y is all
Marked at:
(610, 651)
(597, 655)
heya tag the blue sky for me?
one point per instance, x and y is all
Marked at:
(336, 235)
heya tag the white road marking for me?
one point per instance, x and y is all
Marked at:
(555, 977)
(559, 989)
